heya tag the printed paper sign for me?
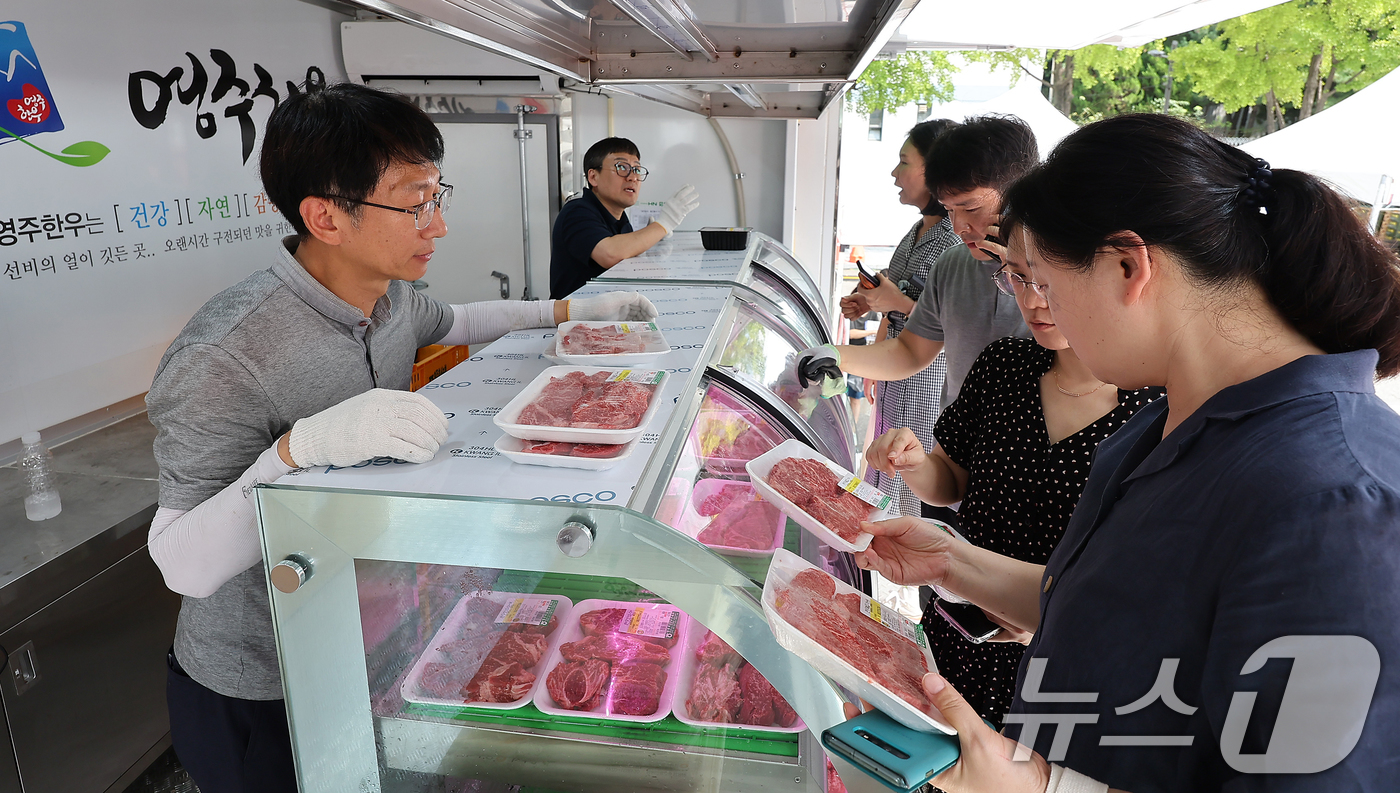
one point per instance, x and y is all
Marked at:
(527, 610)
(893, 620)
(865, 491)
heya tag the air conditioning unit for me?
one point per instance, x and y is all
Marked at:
(391, 54)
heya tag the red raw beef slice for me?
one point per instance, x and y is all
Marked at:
(548, 447)
(578, 685)
(839, 511)
(815, 583)
(758, 698)
(617, 406)
(597, 450)
(504, 682)
(743, 524)
(636, 689)
(798, 479)
(728, 493)
(715, 694)
(522, 648)
(615, 648)
(716, 651)
(604, 621)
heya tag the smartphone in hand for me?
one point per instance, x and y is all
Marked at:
(900, 758)
(867, 281)
(967, 619)
(997, 240)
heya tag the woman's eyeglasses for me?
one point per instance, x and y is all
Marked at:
(1009, 283)
(422, 214)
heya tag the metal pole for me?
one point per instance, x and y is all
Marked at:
(522, 135)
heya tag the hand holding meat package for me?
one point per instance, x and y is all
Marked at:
(726, 689)
(616, 664)
(487, 651)
(601, 400)
(823, 497)
(874, 651)
(610, 338)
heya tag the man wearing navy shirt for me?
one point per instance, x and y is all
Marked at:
(593, 233)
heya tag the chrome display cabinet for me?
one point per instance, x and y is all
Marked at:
(374, 565)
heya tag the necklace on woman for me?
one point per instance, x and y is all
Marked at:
(1071, 393)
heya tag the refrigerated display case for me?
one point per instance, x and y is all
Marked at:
(386, 576)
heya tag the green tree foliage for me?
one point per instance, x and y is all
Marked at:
(915, 76)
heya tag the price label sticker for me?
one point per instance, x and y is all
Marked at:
(656, 623)
(636, 327)
(893, 620)
(528, 610)
(865, 491)
(636, 376)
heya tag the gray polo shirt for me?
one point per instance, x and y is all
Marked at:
(276, 347)
(961, 307)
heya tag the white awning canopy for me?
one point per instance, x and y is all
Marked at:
(1067, 24)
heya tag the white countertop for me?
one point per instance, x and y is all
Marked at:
(475, 390)
(681, 257)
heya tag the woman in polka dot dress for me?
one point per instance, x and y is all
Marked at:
(1014, 448)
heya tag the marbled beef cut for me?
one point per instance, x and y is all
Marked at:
(578, 685)
(635, 689)
(814, 489)
(604, 621)
(615, 648)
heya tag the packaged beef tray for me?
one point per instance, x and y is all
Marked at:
(733, 519)
(873, 651)
(609, 343)
(825, 498)
(488, 652)
(718, 688)
(584, 404)
(615, 661)
(561, 454)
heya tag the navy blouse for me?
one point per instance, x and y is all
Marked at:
(1272, 512)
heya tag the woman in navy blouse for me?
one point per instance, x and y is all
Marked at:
(1223, 613)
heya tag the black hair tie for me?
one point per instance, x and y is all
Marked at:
(1258, 191)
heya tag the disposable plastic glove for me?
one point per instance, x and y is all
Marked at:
(617, 306)
(378, 423)
(822, 363)
(685, 201)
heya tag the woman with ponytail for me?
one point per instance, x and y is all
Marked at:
(1252, 514)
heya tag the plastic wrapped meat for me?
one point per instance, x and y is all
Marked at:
(814, 489)
(578, 685)
(744, 524)
(589, 402)
(809, 603)
(597, 450)
(716, 651)
(728, 690)
(600, 622)
(609, 340)
(715, 695)
(563, 449)
(635, 689)
(488, 661)
(615, 648)
(560, 448)
(718, 500)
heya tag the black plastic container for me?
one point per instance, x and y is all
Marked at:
(720, 238)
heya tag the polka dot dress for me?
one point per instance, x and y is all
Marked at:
(1020, 495)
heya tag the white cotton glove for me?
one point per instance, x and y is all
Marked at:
(378, 423)
(678, 206)
(615, 306)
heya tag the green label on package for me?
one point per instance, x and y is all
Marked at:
(646, 377)
(893, 620)
(636, 327)
(865, 491)
(527, 610)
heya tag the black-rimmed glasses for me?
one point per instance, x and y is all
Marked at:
(1009, 283)
(422, 214)
(626, 169)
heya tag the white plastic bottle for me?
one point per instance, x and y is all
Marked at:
(42, 502)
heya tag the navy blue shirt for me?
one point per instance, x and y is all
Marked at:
(581, 225)
(1272, 511)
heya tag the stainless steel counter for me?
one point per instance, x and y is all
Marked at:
(85, 620)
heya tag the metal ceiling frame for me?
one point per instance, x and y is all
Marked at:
(653, 54)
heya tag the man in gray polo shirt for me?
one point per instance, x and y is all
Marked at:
(960, 309)
(306, 363)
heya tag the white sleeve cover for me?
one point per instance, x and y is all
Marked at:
(199, 550)
(478, 323)
(1066, 780)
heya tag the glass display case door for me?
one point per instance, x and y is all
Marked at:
(428, 641)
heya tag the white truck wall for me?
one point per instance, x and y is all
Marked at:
(86, 316)
(680, 147)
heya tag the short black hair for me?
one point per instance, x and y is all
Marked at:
(984, 151)
(593, 158)
(338, 140)
(923, 134)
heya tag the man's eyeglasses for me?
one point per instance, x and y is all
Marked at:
(422, 214)
(625, 170)
(1009, 283)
